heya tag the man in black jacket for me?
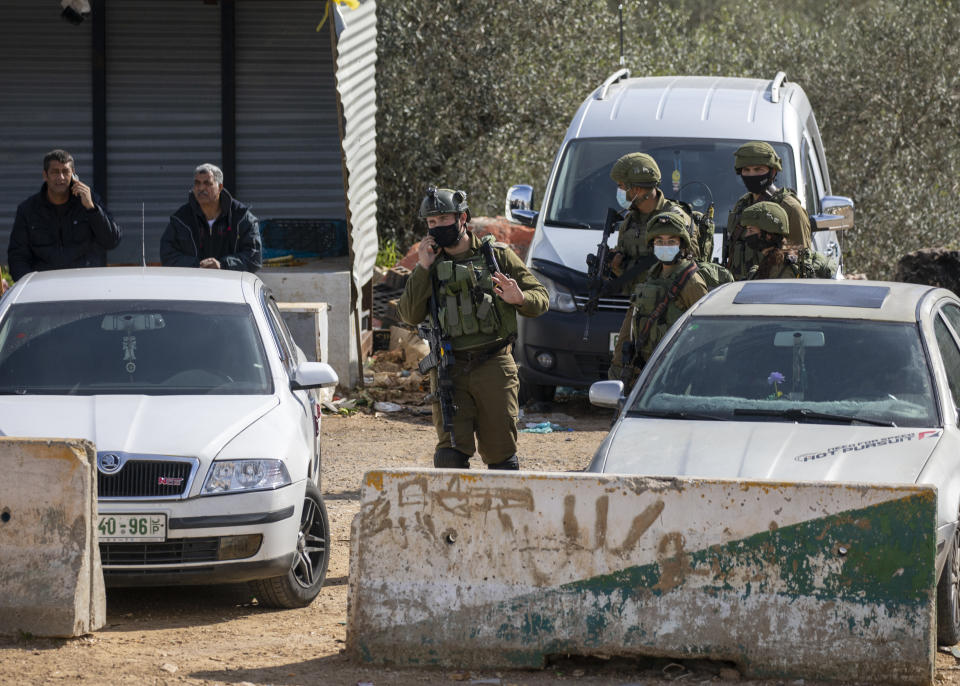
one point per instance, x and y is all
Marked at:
(63, 226)
(212, 230)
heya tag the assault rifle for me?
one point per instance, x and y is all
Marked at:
(441, 357)
(598, 268)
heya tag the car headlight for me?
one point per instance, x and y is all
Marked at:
(232, 476)
(561, 299)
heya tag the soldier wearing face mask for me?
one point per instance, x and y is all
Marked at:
(637, 176)
(766, 228)
(478, 311)
(670, 286)
(757, 164)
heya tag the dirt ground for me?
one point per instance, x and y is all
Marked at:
(217, 635)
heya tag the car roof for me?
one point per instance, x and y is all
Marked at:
(842, 299)
(688, 107)
(136, 283)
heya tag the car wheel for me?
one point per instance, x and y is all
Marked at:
(948, 596)
(301, 584)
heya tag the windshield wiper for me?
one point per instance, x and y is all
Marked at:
(676, 414)
(569, 225)
(799, 414)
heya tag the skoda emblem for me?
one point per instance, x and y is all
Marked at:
(108, 463)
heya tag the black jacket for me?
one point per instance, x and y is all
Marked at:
(44, 239)
(234, 238)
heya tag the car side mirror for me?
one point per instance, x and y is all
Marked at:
(312, 375)
(607, 394)
(836, 214)
(519, 206)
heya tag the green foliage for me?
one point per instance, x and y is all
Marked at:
(477, 95)
(388, 253)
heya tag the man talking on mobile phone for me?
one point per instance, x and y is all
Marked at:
(63, 226)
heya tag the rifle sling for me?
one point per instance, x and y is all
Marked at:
(661, 307)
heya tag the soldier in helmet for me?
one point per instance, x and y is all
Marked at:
(637, 176)
(670, 286)
(478, 311)
(757, 164)
(766, 227)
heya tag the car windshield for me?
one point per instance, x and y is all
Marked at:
(132, 347)
(792, 370)
(696, 171)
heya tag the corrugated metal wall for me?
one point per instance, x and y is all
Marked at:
(288, 143)
(356, 84)
(163, 111)
(44, 100)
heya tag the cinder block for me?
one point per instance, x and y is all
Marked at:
(494, 570)
(397, 277)
(51, 583)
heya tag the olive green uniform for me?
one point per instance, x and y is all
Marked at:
(632, 240)
(741, 258)
(645, 300)
(479, 324)
(807, 264)
(632, 244)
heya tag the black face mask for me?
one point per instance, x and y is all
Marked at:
(754, 242)
(758, 184)
(445, 236)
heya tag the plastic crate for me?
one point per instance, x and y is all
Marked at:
(304, 237)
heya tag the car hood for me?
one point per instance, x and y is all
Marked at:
(161, 425)
(769, 450)
(569, 247)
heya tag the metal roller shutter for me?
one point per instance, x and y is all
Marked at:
(163, 111)
(288, 145)
(45, 81)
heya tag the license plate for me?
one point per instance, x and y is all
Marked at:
(132, 527)
(613, 340)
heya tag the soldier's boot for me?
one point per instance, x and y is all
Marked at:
(450, 458)
(512, 464)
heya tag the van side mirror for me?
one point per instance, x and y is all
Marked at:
(519, 205)
(836, 214)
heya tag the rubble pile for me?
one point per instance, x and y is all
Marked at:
(391, 375)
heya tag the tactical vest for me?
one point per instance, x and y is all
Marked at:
(645, 300)
(741, 258)
(470, 312)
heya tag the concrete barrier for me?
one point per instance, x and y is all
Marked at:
(51, 583)
(499, 570)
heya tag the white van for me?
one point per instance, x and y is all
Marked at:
(691, 125)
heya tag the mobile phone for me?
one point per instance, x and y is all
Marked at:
(75, 178)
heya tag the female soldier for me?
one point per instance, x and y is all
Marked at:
(766, 226)
(672, 285)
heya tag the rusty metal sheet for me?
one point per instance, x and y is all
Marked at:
(500, 570)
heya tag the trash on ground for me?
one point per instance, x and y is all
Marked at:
(387, 406)
(543, 428)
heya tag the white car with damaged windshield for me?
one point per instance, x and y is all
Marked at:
(200, 407)
(805, 380)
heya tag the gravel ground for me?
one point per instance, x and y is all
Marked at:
(218, 635)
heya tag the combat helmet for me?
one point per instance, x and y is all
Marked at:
(443, 201)
(636, 169)
(768, 217)
(755, 153)
(670, 223)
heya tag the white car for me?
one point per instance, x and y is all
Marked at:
(198, 402)
(809, 380)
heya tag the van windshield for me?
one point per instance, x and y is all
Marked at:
(694, 170)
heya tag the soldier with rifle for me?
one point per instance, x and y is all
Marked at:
(472, 289)
(637, 176)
